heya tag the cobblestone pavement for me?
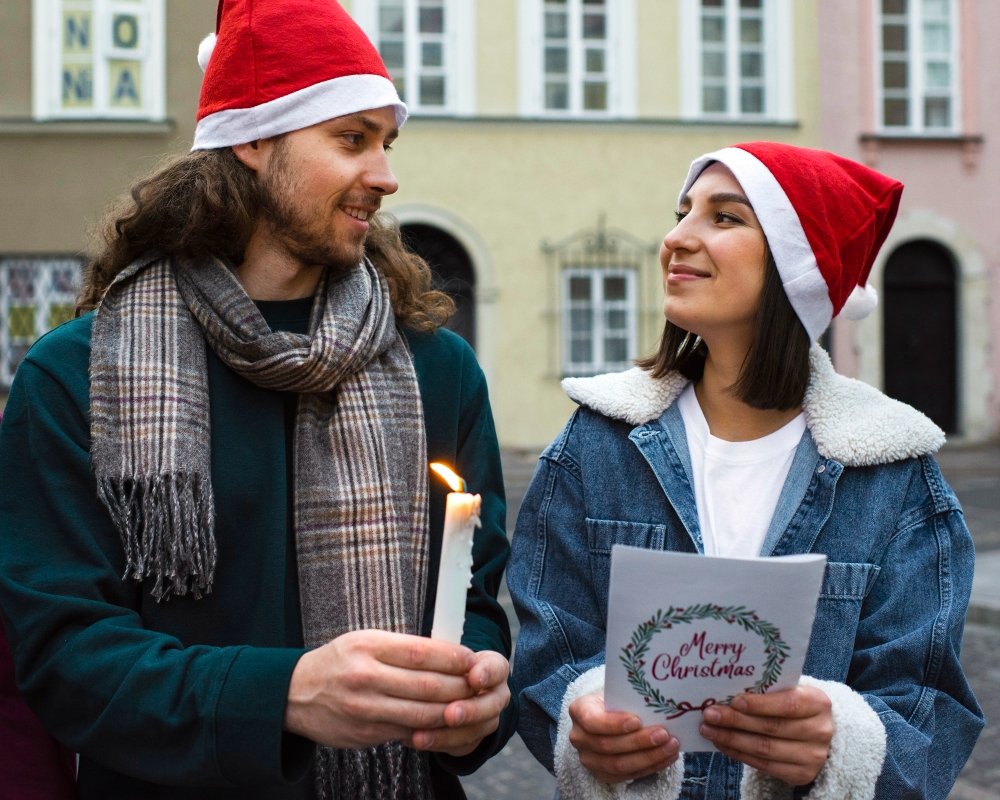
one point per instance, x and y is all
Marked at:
(974, 473)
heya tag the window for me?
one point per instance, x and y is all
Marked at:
(36, 295)
(917, 84)
(599, 320)
(737, 58)
(427, 47)
(98, 59)
(592, 314)
(578, 57)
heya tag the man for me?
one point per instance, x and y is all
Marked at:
(218, 542)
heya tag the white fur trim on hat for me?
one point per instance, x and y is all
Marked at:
(205, 51)
(860, 302)
(800, 275)
(314, 104)
(854, 763)
(575, 780)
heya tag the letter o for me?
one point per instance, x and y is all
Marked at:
(126, 30)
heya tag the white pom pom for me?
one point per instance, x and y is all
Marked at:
(861, 303)
(205, 51)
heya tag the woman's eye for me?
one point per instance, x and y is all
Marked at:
(722, 216)
(679, 215)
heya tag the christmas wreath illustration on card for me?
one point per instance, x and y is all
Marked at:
(633, 655)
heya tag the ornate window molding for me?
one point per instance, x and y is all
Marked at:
(595, 310)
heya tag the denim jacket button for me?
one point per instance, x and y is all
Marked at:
(821, 469)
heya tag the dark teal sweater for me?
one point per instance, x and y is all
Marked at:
(191, 693)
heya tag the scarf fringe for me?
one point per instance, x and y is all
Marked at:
(167, 527)
(387, 772)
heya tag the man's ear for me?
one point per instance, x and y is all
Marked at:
(250, 154)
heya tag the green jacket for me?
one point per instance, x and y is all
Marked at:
(191, 693)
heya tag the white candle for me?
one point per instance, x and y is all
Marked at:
(461, 517)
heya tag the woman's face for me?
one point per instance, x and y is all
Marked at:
(714, 260)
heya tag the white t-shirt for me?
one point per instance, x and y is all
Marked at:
(736, 484)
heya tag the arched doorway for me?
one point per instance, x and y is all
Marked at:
(920, 330)
(452, 270)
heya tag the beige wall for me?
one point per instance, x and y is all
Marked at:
(950, 196)
(511, 185)
(501, 186)
(58, 176)
(519, 184)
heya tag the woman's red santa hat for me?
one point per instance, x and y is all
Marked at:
(275, 66)
(825, 218)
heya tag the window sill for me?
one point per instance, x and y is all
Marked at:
(921, 136)
(970, 145)
(97, 127)
(631, 121)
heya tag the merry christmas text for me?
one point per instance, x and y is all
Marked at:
(711, 660)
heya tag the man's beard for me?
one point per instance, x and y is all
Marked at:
(307, 239)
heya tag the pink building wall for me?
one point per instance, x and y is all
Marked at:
(952, 191)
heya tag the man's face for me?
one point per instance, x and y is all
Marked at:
(320, 186)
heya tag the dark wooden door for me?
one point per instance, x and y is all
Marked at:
(920, 330)
(452, 270)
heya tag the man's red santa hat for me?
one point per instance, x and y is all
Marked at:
(825, 218)
(275, 66)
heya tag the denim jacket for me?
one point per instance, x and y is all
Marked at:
(863, 488)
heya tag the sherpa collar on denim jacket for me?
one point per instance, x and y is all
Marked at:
(849, 421)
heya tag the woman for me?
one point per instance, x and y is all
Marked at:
(737, 438)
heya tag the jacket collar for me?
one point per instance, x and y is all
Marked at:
(850, 421)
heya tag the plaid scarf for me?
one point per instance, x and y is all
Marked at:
(360, 493)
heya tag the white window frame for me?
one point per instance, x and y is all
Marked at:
(620, 61)
(779, 62)
(47, 59)
(46, 295)
(916, 63)
(459, 61)
(599, 307)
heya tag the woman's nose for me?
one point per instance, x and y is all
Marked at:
(680, 237)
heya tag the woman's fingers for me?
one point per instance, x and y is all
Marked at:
(614, 746)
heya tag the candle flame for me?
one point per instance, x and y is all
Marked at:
(453, 480)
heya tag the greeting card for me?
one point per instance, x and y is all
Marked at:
(688, 631)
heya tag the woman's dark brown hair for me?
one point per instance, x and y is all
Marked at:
(205, 204)
(775, 372)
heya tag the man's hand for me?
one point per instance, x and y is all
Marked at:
(471, 719)
(369, 687)
(614, 746)
(785, 734)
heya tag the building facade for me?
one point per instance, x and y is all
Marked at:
(538, 171)
(547, 146)
(906, 88)
(92, 95)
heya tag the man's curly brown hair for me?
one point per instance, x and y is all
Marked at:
(206, 203)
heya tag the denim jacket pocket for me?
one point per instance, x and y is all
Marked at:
(603, 534)
(842, 593)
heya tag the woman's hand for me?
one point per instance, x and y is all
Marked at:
(784, 734)
(614, 746)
